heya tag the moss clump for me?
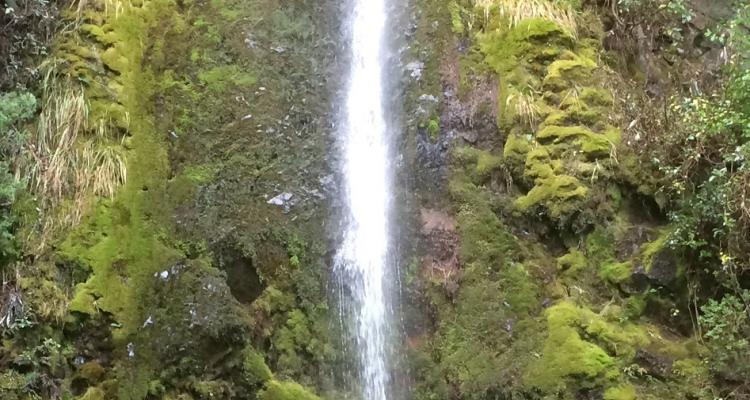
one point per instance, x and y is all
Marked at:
(538, 164)
(651, 249)
(254, 367)
(622, 392)
(515, 150)
(531, 41)
(567, 71)
(433, 129)
(284, 390)
(592, 144)
(596, 97)
(479, 164)
(572, 263)
(566, 355)
(615, 272)
(583, 348)
(560, 195)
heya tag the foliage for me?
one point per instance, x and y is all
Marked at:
(726, 325)
(283, 390)
(704, 159)
(15, 109)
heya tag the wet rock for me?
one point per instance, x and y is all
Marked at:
(441, 263)
(664, 267)
(469, 136)
(283, 200)
(638, 282)
(415, 69)
(656, 365)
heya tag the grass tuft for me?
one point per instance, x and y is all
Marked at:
(70, 162)
(519, 10)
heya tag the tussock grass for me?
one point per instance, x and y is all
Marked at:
(69, 161)
(518, 10)
(525, 107)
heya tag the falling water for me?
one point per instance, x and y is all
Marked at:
(362, 260)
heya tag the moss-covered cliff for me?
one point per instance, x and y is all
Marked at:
(560, 272)
(573, 188)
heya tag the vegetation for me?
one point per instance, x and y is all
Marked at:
(587, 161)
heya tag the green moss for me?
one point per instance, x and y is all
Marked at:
(569, 70)
(433, 129)
(597, 97)
(579, 348)
(457, 25)
(487, 162)
(223, 77)
(616, 272)
(572, 263)
(650, 249)
(254, 367)
(592, 144)
(622, 392)
(515, 150)
(82, 301)
(566, 357)
(201, 173)
(530, 41)
(285, 390)
(560, 195)
(479, 164)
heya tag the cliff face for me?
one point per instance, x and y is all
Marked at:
(559, 267)
(167, 190)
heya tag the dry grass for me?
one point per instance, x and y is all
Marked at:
(525, 107)
(519, 10)
(69, 162)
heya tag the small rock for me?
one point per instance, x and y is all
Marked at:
(428, 98)
(415, 69)
(281, 199)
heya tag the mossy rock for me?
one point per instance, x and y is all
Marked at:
(569, 70)
(592, 144)
(532, 41)
(539, 164)
(572, 263)
(559, 195)
(615, 272)
(567, 359)
(583, 349)
(515, 150)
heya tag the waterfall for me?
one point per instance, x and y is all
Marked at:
(362, 261)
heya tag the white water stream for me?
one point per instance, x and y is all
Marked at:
(362, 260)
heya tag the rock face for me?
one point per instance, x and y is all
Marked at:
(566, 270)
(183, 250)
(441, 262)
